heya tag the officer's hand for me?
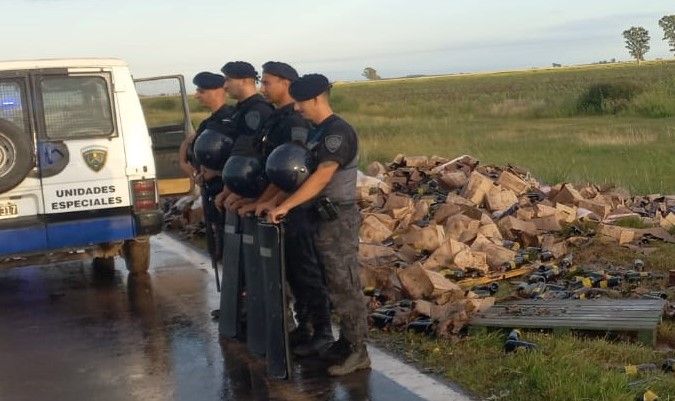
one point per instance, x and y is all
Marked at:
(247, 209)
(198, 177)
(230, 201)
(264, 207)
(218, 201)
(209, 174)
(277, 214)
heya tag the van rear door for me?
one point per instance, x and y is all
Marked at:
(167, 114)
(84, 182)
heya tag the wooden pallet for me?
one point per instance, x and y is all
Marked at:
(641, 316)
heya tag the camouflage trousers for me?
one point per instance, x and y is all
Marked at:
(337, 245)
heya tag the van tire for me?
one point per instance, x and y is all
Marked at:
(104, 264)
(15, 146)
(136, 254)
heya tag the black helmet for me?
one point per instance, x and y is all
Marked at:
(245, 176)
(289, 165)
(212, 148)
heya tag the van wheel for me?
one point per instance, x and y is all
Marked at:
(104, 264)
(136, 253)
(15, 162)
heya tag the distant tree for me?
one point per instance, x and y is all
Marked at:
(667, 23)
(370, 73)
(637, 42)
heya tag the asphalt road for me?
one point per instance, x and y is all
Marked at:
(68, 332)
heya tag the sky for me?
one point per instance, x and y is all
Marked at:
(336, 38)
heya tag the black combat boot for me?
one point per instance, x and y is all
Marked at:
(302, 334)
(321, 341)
(338, 351)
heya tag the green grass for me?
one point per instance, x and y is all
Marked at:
(566, 368)
(530, 118)
(631, 222)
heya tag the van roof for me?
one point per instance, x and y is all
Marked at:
(61, 63)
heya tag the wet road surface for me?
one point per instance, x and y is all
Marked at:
(68, 332)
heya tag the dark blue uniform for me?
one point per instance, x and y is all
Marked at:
(303, 271)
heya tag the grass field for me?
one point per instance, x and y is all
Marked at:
(532, 118)
(547, 120)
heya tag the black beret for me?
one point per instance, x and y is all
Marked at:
(208, 80)
(309, 86)
(239, 70)
(281, 70)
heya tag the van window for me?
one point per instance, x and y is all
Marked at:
(76, 107)
(13, 103)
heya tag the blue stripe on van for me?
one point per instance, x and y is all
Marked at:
(89, 231)
(65, 234)
(23, 239)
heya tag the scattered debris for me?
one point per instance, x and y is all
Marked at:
(475, 225)
(633, 370)
(647, 396)
(514, 343)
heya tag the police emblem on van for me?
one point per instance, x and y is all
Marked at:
(95, 157)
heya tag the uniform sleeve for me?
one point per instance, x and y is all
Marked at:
(338, 145)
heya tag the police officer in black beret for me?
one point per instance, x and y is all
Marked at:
(332, 189)
(304, 274)
(211, 94)
(249, 115)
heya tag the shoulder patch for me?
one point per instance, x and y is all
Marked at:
(299, 134)
(252, 119)
(333, 142)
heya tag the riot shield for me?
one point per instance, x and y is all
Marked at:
(255, 287)
(230, 321)
(272, 260)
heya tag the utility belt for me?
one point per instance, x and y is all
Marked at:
(328, 210)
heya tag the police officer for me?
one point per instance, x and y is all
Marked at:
(210, 94)
(332, 188)
(250, 113)
(304, 274)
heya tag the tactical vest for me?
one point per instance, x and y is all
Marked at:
(276, 121)
(342, 187)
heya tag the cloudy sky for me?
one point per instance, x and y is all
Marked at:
(337, 38)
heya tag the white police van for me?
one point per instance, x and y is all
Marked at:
(79, 166)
